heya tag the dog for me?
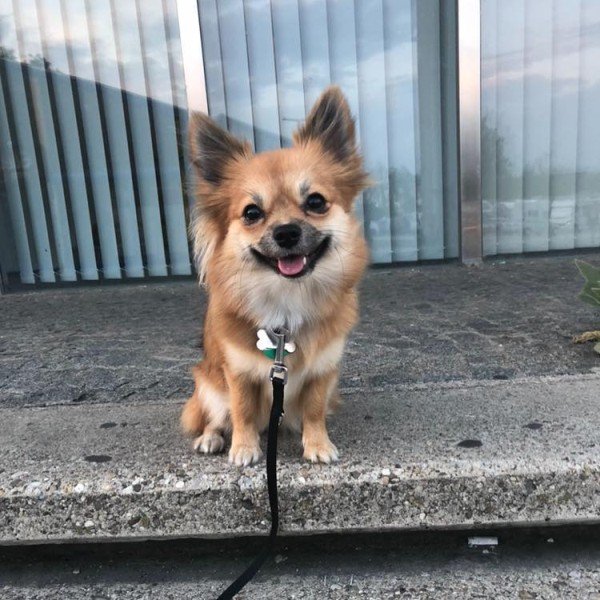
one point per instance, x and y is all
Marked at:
(277, 245)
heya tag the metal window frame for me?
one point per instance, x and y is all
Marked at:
(193, 57)
(469, 130)
(468, 117)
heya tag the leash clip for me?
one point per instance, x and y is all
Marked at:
(279, 370)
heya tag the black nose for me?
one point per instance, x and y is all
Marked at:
(287, 236)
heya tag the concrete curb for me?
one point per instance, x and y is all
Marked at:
(509, 453)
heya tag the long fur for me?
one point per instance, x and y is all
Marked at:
(320, 308)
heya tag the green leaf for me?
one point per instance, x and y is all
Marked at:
(591, 289)
(588, 271)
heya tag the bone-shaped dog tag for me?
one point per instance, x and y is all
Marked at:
(268, 347)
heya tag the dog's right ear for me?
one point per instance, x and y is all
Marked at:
(212, 148)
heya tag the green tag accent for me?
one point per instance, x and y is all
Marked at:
(270, 353)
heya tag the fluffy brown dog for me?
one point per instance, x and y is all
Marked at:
(277, 245)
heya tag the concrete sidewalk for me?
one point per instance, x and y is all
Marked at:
(465, 404)
(434, 323)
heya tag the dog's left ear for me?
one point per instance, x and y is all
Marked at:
(330, 123)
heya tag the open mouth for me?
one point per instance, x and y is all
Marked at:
(294, 265)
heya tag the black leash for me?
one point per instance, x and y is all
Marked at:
(279, 379)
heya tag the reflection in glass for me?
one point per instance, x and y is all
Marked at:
(93, 117)
(540, 125)
(92, 113)
(266, 61)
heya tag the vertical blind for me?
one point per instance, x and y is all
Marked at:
(266, 62)
(540, 125)
(92, 119)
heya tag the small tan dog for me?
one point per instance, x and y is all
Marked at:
(277, 245)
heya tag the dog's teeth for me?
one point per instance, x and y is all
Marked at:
(304, 260)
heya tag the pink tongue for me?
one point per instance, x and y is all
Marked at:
(290, 265)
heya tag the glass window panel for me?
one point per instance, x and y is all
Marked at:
(540, 125)
(93, 114)
(267, 61)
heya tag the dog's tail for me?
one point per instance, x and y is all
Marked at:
(193, 417)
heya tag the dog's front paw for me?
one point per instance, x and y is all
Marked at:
(320, 451)
(243, 455)
(209, 443)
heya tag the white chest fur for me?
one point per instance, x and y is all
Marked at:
(253, 365)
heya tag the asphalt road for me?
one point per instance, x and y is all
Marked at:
(548, 563)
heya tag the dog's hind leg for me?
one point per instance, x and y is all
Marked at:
(193, 416)
(210, 442)
(205, 415)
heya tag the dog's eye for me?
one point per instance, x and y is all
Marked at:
(253, 213)
(316, 203)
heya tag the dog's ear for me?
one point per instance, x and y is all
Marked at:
(330, 123)
(212, 148)
(212, 151)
